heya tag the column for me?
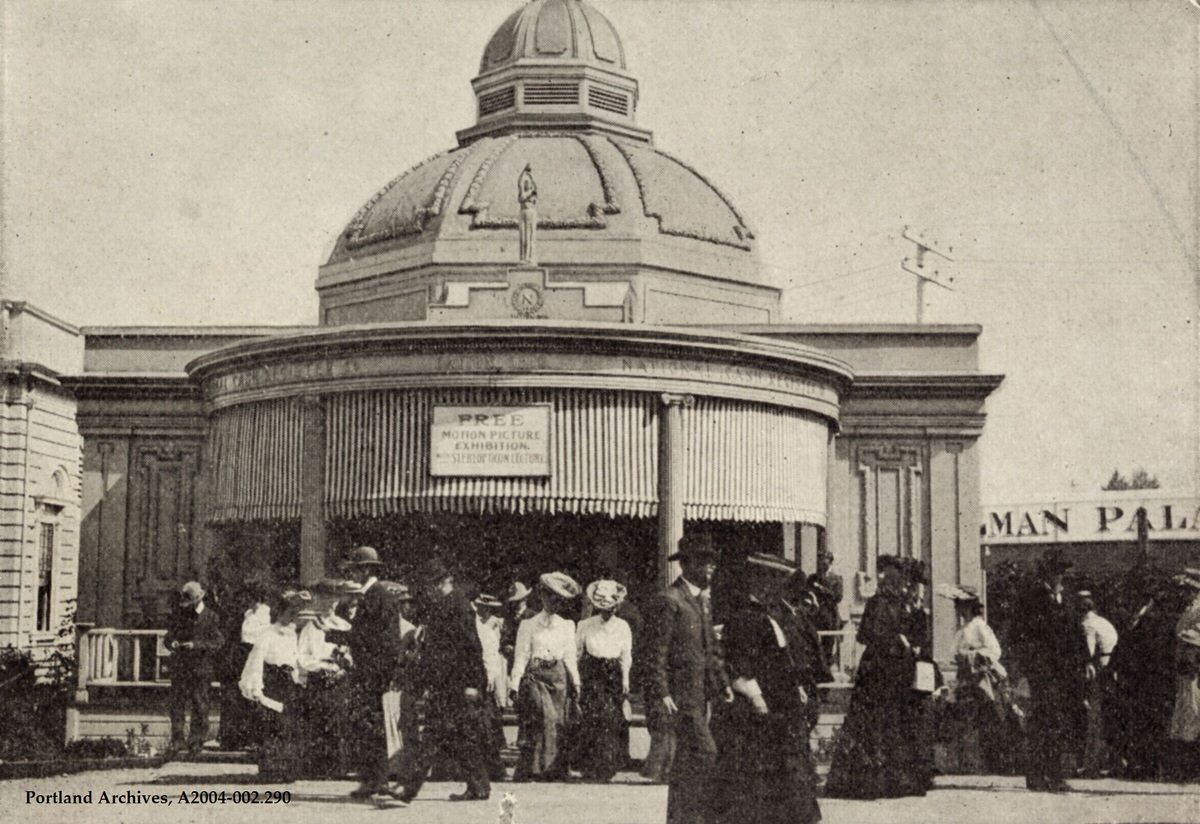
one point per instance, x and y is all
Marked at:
(790, 530)
(947, 530)
(312, 492)
(671, 468)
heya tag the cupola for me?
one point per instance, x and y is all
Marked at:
(554, 65)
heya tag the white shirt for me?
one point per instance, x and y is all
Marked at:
(607, 639)
(692, 589)
(277, 646)
(546, 636)
(1101, 636)
(313, 652)
(493, 662)
(254, 622)
(977, 636)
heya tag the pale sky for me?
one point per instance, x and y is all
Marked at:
(190, 163)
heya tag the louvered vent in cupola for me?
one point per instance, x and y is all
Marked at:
(497, 101)
(608, 101)
(551, 94)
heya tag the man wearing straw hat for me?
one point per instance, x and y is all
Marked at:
(193, 638)
(686, 675)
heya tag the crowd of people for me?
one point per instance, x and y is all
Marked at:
(400, 681)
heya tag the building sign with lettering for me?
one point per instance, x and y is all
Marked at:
(1109, 519)
(490, 441)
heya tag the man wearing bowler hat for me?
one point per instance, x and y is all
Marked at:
(193, 637)
(377, 652)
(450, 672)
(686, 674)
(1051, 649)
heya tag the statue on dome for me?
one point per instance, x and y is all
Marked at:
(527, 198)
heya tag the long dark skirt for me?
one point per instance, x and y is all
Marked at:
(765, 771)
(241, 720)
(541, 706)
(279, 756)
(883, 748)
(325, 725)
(600, 746)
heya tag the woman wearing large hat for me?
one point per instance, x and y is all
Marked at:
(271, 678)
(873, 758)
(323, 659)
(605, 647)
(764, 771)
(544, 671)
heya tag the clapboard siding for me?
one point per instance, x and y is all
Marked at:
(39, 439)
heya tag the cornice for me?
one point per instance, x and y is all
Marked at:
(132, 386)
(911, 385)
(21, 307)
(857, 329)
(543, 336)
(914, 426)
(31, 371)
(190, 331)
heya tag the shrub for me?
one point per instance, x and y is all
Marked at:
(96, 748)
(34, 693)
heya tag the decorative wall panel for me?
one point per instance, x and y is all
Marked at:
(890, 502)
(163, 533)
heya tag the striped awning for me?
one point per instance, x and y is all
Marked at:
(603, 459)
(253, 457)
(744, 461)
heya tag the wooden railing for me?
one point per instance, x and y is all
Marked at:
(121, 658)
(134, 658)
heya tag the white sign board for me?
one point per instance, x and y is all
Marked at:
(1110, 519)
(490, 441)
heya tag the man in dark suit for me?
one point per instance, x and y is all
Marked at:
(1051, 649)
(193, 637)
(450, 672)
(377, 652)
(828, 588)
(685, 676)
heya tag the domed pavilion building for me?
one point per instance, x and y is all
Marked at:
(550, 347)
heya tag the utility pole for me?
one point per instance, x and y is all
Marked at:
(927, 271)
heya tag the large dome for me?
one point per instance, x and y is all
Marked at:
(592, 187)
(636, 233)
(554, 30)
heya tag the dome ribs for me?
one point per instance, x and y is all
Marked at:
(594, 213)
(677, 223)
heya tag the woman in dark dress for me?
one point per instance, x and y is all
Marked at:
(917, 720)
(873, 756)
(764, 771)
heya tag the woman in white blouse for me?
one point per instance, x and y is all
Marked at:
(605, 646)
(322, 659)
(240, 721)
(981, 694)
(544, 671)
(271, 678)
